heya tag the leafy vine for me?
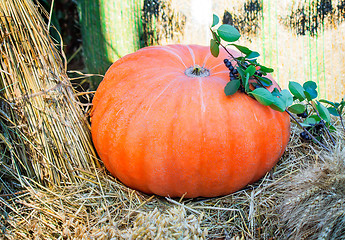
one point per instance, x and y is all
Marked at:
(300, 101)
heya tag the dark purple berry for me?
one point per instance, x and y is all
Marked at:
(258, 73)
(303, 114)
(242, 89)
(231, 68)
(232, 76)
(256, 86)
(304, 135)
(227, 63)
(319, 126)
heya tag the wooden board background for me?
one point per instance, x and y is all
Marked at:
(301, 39)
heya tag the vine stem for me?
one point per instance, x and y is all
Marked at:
(215, 37)
(317, 141)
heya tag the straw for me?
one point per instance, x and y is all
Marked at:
(41, 113)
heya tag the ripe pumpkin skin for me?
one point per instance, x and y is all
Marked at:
(160, 131)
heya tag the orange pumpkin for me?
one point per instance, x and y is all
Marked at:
(162, 125)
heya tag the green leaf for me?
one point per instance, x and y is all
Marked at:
(253, 61)
(215, 36)
(241, 72)
(342, 105)
(276, 92)
(242, 49)
(316, 117)
(323, 111)
(305, 124)
(310, 90)
(241, 59)
(297, 108)
(333, 111)
(286, 97)
(215, 20)
(246, 83)
(313, 119)
(264, 69)
(310, 93)
(252, 55)
(309, 84)
(214, 47)
(297, 90)
(232, 87)
(263, 96)
(307, 95)
(278, 105)
(332, 128)
(328, 102)
(250, 70)
(228, 33)
(265, 81)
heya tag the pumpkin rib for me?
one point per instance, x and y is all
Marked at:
(132, 176)
(202, 102)
(172, 52)
(217, 63)
(189, 170)
(219, 79)
(216, 66)
(185, 168)
(134, 107)
(259, 141)
(279, 141)
(203, 134)
(192, 54)
(168, 53)
(109, 98)
(208, 55)
(159, 100)
(169, 179)
(222, 137)
(159, 95)
(175, 169)
(222, 72)
(201, 55)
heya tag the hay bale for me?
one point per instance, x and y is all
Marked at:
(45, 136)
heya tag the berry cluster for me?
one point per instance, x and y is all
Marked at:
(233, 71)
(315, 129)
(304, 135)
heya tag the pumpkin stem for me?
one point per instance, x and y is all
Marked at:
(197, 71)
